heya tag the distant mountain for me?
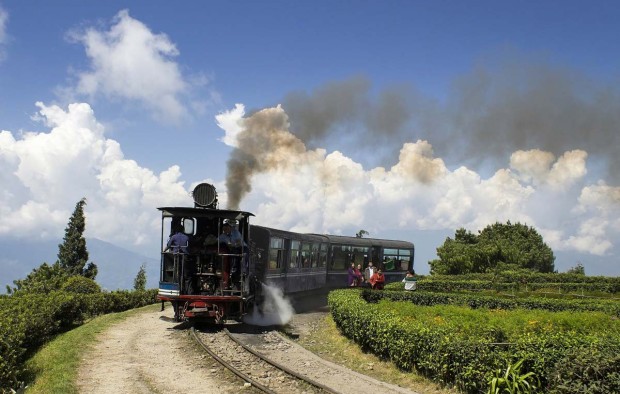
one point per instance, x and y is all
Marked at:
(118, 267)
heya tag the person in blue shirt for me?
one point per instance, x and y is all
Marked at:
(232, 242)
(232, 239)
(178, 242)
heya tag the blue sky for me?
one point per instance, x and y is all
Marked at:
(406, 118)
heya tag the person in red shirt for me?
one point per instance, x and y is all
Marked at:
(377, 280)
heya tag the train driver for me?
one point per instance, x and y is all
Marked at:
(231, 238)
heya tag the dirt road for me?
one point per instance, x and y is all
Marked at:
(145, 354)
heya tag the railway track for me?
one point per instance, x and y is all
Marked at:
(235, 353)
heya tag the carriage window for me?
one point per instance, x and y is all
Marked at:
(340, 256)
(294, 261)
(276, 253)
(314, 259)
(396, 259)
(359, 255)
(306, 255)
(323, 255)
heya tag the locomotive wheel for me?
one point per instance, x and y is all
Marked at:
(179, 314)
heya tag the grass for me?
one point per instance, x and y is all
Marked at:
(55, 365)
(326, 341)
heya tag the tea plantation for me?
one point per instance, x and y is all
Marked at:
(538, 333)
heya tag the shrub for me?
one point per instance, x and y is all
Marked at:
(81, 285)
(29, 320)
(457, 345)
(593, 369)
(11, 353)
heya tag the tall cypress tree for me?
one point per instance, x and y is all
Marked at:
(139, 283)
(72, 253)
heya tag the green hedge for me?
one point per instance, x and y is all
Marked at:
(530, 277)
(466, 356)
(427, 298)
(29, 320)
(446, 285)
(534, 280)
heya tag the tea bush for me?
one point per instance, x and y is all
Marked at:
(594, 369)
(508, 281)
(29, 320)
(81, 284)
(456, 345)
(423, 297)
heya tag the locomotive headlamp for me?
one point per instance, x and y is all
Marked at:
(205, 196)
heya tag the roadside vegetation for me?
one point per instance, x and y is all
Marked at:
(327, 341)
(54, 299)
(457, 345)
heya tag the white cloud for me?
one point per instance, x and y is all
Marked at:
(231, 122)
(416, 161)
(533, 165)
(599, 206)
(601, 198)
(46, 173)
(317, 191)
(538, 167)
(569, 168)
(592, 237)
(131, 62)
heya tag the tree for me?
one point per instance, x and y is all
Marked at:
(72, 257)
(578, 270)
(44, 279)
(72, 253)
(91, 271)
(139, 283)
(361, 233)
(497, 245)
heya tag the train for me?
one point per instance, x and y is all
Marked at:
(210, 279)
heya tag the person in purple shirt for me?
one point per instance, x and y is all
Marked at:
(351, 280)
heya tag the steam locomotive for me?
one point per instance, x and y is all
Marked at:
(210, 278)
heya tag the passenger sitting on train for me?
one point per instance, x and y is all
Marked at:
(178, 242)
(377, 280)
